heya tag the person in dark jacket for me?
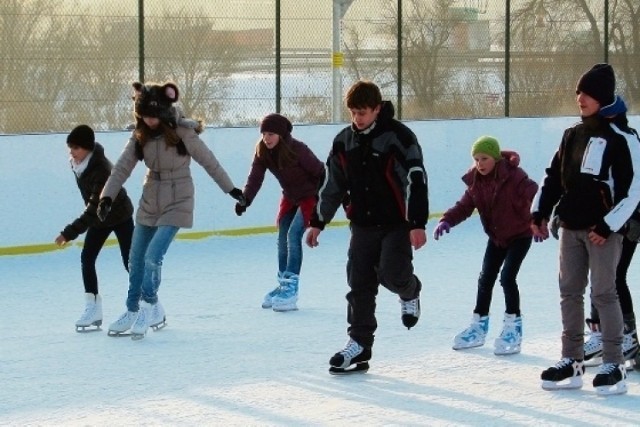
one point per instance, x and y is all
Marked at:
(593, 181)
(91, 169)
(502, 193)
(378, 163)
(298, 171)
(593, 344)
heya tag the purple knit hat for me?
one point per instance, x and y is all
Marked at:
(276, 123)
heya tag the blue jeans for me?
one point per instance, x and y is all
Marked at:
(148, 247)
(290, 231)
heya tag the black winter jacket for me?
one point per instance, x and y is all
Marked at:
(90, 184)
(382, 172)
(594, 177)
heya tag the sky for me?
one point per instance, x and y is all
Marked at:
(223, 360)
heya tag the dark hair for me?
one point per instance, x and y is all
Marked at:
(363, 94)
(280, 157)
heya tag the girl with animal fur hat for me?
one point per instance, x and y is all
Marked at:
(166, 142)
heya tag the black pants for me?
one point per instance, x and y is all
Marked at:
(93, 243)
(510, 258)
(377, 255)
(624, 295)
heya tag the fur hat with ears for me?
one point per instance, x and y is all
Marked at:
(82, 136)
(155, 100)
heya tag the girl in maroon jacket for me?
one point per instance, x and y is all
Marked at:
(298, 171)
(502, 193)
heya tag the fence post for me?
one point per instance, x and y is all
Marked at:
(141, 40)
(606, 31)
(399, 49)
(278, 59)
(507, 56)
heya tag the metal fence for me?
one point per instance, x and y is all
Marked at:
(65, 62)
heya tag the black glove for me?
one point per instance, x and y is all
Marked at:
(236, 193)
(104, 207)
(554, 227)
(240, 209)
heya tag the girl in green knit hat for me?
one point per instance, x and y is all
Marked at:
(502, 193)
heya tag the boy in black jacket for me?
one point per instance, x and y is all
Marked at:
(377, 162)
(592, 181)
(92, 169)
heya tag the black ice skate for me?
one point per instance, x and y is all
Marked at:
(566, 374)
(611, 379)
(353, 358)
(410, 309)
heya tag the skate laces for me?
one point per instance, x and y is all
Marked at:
(509, 333)
(409, 307)
(607, 368)
(124, 319)
(629, 341)
(351, 349)
(594, 343)
(564, 362)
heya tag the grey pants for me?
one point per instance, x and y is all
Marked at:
(581, 261)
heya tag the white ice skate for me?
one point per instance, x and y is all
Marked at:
(158, 317)
(91, 318)
(150, 316)
(120, 327)
(267, 301)
(474, 335)
(287, 297)
(511, 337)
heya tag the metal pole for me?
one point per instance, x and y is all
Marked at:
(278, 59)
(337, 59)
(507, 57)
(606, 31)
(141, 40)
(399, 49)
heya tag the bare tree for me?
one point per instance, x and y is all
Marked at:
(625, 44)
(31, 81)
(183, 46)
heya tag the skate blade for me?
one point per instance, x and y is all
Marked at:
(87, 329)
(119, 334)
(137, 337)
(358, 368)
(507, 351)
(609, 390)
(466, 346)
(572, 383)
(159, 326)
(284, 309)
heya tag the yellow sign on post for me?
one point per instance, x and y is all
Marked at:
(337, 59)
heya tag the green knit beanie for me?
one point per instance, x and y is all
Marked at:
(487, 145)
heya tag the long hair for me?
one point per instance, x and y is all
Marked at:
(143, 133)
(280, 157)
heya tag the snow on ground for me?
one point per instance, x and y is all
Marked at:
(222, 360)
